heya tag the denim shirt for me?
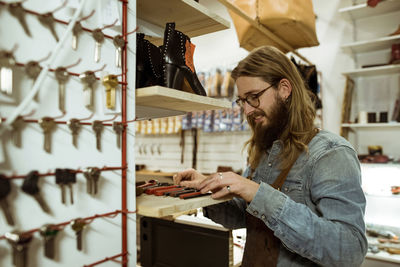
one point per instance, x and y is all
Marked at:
(319, 213)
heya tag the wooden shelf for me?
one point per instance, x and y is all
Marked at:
(374, 71)
(371, 125)
(191, 18)
(372, 45)
(158, 102)
(363, 10)
(159, 206)
(384, 256)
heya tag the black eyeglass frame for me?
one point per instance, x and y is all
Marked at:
(255, 97)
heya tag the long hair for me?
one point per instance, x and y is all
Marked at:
(271, 65)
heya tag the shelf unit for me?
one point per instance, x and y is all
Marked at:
(374, 71)
(363, 10)
(193, 19)
(371, 125)
(371, 45)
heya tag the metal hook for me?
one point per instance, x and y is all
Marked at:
(113, 118)
(131, 31)
(102, 68)
(88, 16)
(29, 114)
(73, 65)
(45, 58)
(88, 118)
(110, 25)
(60, 7)
(59, 117)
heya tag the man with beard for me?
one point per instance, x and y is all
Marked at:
(300, 198)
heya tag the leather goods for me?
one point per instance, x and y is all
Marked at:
(178, 67)
(373, 3)
(291, 20)
(148, 63)
(395, 58)
(262, 246)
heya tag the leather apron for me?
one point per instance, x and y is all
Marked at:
(262, 246)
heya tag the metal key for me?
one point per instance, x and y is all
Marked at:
(7, 63)
(98, 129)
(33, 69)
(119, 44)
(70, 180)
(60, 180)
(48, 21)
(48, 126)
(76, 31)
(96, 172)
(18, 11)
(118, 127)
(75, 126)
(30, 186)
(62, 77)
(111, 83)
(78, 225)
(5, 189)
(89, 181)
(19, 242)
(49, 233)
(98, 36)
(16, 127)
(88, 79)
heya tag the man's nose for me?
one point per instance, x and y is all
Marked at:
(248, 109)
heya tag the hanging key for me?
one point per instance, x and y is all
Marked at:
(7, 63)
(49, 233)
(78, 225)
(48, 21)
(119, 44)
(96, 172)
(118, 128)
(62, 77)
(70, 180)
(18, 11)
(98, 37)
(98, 128)
(88, 79)
(89, 180)
(111, 83)
(33, 69)
(30, 186)
(16, 128)
(75, 126)
(19, 242)
(48, 125)
(5, 189)
(76, 31)
(60, 181)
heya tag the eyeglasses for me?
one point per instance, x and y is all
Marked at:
(252, 99)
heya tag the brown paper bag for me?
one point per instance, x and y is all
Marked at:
(291, 20)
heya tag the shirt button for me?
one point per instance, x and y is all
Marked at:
(285, 189)
(255, 212)
(270, 164)
(263, 217)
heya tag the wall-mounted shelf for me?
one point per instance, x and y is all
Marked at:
(159, 206)
(372, 45)
(158, 102)
(371, 125)
(374, 71)
(190, 17)
(363, 10)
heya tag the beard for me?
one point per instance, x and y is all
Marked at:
(277, 120)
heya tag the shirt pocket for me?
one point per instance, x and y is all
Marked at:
(293, 188)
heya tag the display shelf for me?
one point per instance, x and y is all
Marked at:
(374, 71)
(159, 206)
(157, 102)
(372, 45)
(384, 256)
(190, 17)
(363, 10)
(371, 125)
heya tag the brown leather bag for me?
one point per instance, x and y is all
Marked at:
(291, 20)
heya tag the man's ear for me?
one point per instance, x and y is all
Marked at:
(285, 88)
